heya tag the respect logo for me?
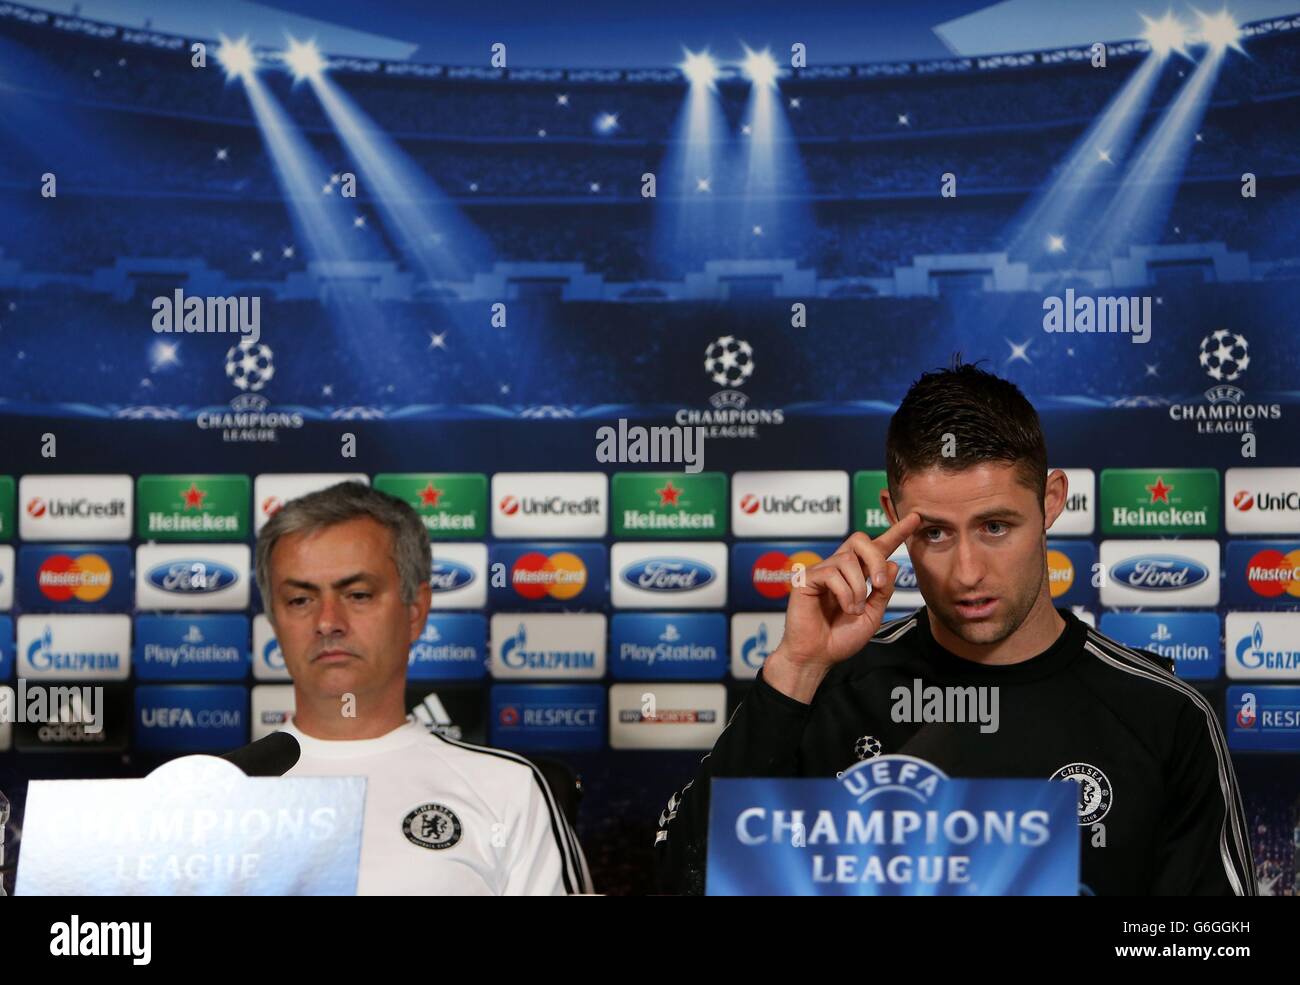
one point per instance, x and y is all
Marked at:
(560, 575)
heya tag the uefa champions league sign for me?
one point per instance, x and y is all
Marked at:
(893, 826)
(196, 826)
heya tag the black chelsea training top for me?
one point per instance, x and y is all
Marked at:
(1145, 747)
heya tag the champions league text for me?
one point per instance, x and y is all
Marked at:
(758, 825)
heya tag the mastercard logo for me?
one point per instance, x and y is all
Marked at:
(86, 578)
(1272, 574)
(1060, 573)
(560, 575)
(773, 571)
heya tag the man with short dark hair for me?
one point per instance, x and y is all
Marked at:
(970, 495)
(344, 578)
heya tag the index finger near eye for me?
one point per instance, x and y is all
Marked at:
(893, 538)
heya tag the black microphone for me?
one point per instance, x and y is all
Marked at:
(271, 755)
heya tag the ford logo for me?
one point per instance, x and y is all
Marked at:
(668, 574)
(1160, 572)
(191, 577)
(447, 576)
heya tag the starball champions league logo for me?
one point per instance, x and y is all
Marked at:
(729, 362)
(1225, 357)
(249, 367)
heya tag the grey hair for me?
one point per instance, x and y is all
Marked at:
(346, 501)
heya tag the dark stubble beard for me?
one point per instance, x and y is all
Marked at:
(986, 633)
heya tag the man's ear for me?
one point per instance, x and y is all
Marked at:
(418, 611)
(887, 505)
(1055, 494)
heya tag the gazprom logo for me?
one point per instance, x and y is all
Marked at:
(447, 576)
(892, 773)
(191, 577)
(272, 655)
(1160, 572)
(668, 574)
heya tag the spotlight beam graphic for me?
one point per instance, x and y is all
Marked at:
(1140, 206)
(775, 191)
(1058, 208)
(688, 210)
(438, 238)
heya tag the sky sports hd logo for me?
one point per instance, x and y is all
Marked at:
(192, 507)
(666, 716)
(557, 505)
(75, 507)
(1137, 502)
(451, 505)
(1262, 501)
(669, 504)
(790, 504)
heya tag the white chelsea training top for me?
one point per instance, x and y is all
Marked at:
(444, 817)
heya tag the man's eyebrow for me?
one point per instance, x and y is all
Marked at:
(993, 513)
(312, 586)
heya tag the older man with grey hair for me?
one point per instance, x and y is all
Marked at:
(344, 577)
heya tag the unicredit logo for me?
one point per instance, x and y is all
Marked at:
(793, 504)
(1160, 572)
(550, 506)
(38, 507)
(668, 574)
(1245, 501)
(191, 577)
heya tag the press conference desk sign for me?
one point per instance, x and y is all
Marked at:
(893, 826)
(196, 826)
